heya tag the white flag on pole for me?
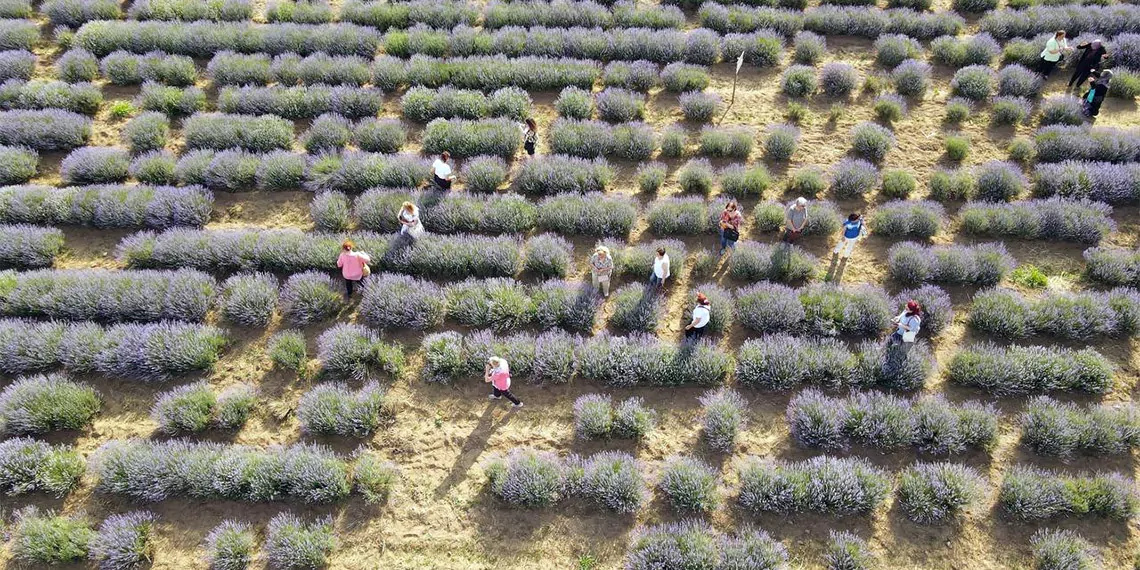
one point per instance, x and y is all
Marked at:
(739, 62)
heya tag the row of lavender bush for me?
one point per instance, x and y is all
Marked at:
(33, 466)
(195, 407)
(63, 13)
(107, 206)
(881, 420)
(148, 352)
(1055, 219)
(107, 296)
(1075, 316)
(1064, 429)
(28, 247)
(1031, 369)
(983, 264)
(204, 39)
(46, 538)
(1113, 266)
(1031, 494)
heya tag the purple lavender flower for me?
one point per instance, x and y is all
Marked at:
(26, 247)
(123, 541)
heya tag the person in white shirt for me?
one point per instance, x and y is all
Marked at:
(441, 171)
(409, 218)
(1055, 49)
(907, 324)
(701, 316)
(660, 269)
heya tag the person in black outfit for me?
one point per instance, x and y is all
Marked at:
(530, 137)
(1093, 98)
(1092, 54)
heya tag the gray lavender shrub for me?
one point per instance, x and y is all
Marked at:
(547, 256)
(484, 173)
(999, 181)
(1030, 494)
(292, 543)
(911, 78)
(249, 299)
(613, 480)
(781, 141)
(872, 141)
(48, 538)
(1073, 316)
(353, 352)
(287, 349)
(169, 100)
(843, 311)
(147, 352)
(301, 102)
(827, 485)
(185, 409)
(499, 303)
(575, 103)
(592, 139)
(700, 107)
(556, 174)
(567, 305)
(933, 493)
(1062, 110)
(1031, 369)
(846, 551)
(692, 543)
(379, 135)
(82, 98)
(618, 105)
(16, 64)
(724, 414)
(75, 13)
(149, 471)
(374, 477)
(489, 73)
(689, 484)
(76, 66)
(123, 541)
(726, 142)
(529, 478)
(1101, 181)
(146, 132)
(107, 206)
(1060, 549)
(740, 18)
(893, 49)
(974, 82)
(643, 360)
(1063, 429)
(755, 261)
(837, 79)
(422, 303)
(1112, 266)
(221, 131)
(18, 34)
(231, 10)
(95, 165)
(31, 466)
(778, 362)
(593, 416)
(1010, 110)
(1017, 81)
(683, 215)
(769, 308)
(983, 264)
(463, 138)
(328, 132)
(638, 75)
(696, 175)
(41, 404)
(637, 307)
(799, 81)
(230, 546)
(1056, 219)
(1058, 143)
(320, 68)
(762, 48)
(853, 177)
(703, 47)
(330, 212)
(356, 172)
(333, 409)
(908, 218)
(123, 68)
(738, 180)
(29, 247)
(108, 296)
(681, 77)
(50, 129)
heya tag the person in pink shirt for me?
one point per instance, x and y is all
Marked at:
(498, 373)
(353, 266)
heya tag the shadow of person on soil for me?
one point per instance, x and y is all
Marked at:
(473, 446)
(836, 269)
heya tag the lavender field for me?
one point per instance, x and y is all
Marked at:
(186, 385)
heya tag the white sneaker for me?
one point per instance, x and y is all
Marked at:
(518, 405)
(494, 397)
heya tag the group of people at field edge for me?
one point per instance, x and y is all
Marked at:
(1088, 70)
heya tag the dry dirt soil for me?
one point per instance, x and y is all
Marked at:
(442, 517)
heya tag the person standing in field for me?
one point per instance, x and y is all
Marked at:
(701, 316)
(907, 325)
(530, 137)
(1094, 97)
(730, 220)
(795, 220)
(498, 373)
(601, 268)
(661, 268)
(409, 218)
(441, 171)
(1055, 49)
(853, 229)
(1092, 54)
(353, 266)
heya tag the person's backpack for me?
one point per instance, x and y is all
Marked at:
(731, 234)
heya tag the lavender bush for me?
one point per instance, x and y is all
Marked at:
(95, 165)
(933, 493)
(1062, 110)
(30, 466)
(911, 78)
(689, 484)
(1061, 429)
(824, 485)
(123, 541)
(974, 82)
(292, 543)
(638, 75)
(1058, 549)
(333, 409)
(1029, 369)
(853, 177)
(287, 350)
(113, 206)
(1075, 316)
(837, 79)
(589, 214)
(846, 551)
(643, 360)
(724, 414)
(1080, 221)
(907, 218)
(755, 261)
(982, 264)
(41, 404)
(29, 247)
(422, 304)
(51, 129)
(556, 174)
(230, 546)
(872, 141)
(528, 478)
(47, 538)
(354, 352)
(1029, 494)
(1059, 143)
(799, 81)
(109, 296)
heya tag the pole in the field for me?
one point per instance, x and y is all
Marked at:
(732, 99)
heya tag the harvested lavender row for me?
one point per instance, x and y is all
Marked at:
(1074, 316)
(1113, 266)
(504, 304)
(782, 362)
(929, 423)
(825, 485)
(28, 247)
(147, 352)
(148, 471)
(1030, 494)
(1031, 369)
(204, 39)
(33, 466)
(1075, 19)
(107, 296)
(107, 206)
(1054, 219)
(1101, 181)
(293, 251)
(1059, 143)
(983, 264)
(529, 478)
(1064, 429)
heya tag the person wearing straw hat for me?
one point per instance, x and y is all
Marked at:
(601, 268)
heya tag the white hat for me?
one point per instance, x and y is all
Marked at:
(801, 201)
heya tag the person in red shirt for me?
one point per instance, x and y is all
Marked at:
(498, 373)
(730, 220)
(353, 266)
